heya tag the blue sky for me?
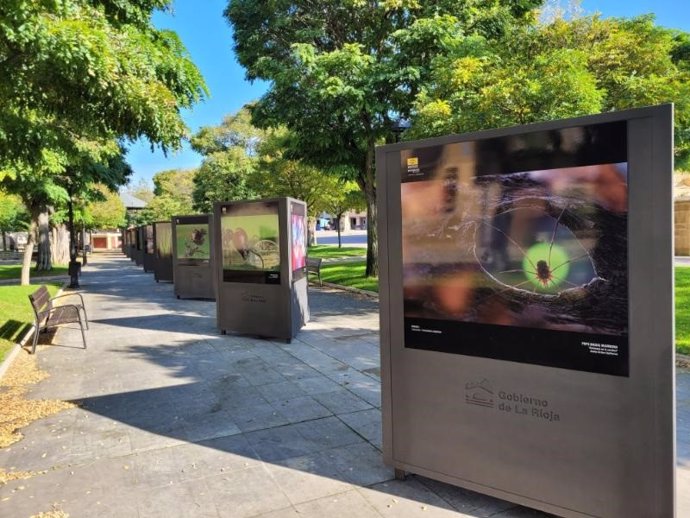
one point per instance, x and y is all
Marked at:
(208, 37)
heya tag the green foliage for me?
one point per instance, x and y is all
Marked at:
(13, 215)
(223, 176)
(558, 70)
(141, 190)
(90, 69)
(107, 213)
(172, 195)
(342, 72)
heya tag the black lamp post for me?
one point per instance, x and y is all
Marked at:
(74, 265)
(398, 126)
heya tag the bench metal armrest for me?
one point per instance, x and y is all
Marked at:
(69, 295)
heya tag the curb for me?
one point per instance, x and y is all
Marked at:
(12, 355)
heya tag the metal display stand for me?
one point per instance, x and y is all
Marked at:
(138, 251)
(260, 250)
(148, 249)
(162, 264)
(192, 261)
(526, 305)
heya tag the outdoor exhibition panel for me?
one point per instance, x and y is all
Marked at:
(123, 241)
(148, 249)
(192, 260)
(526, 299)
(131, 242)
(140, 243)
(162, 240)
(261, 261)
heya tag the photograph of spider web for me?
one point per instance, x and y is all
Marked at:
(537, 258)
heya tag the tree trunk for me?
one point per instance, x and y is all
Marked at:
(28, 252)
(44, 260)
(60, 244)
(337, 224)
(311, 231)
(368, 183)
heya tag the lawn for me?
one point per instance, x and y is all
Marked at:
(349, 274)
(333, 252)
(683, 310)
(13, 271)
(16, 314)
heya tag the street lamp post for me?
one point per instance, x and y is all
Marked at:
(74, 265)
(399, 126)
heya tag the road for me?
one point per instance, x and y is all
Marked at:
(350, 238)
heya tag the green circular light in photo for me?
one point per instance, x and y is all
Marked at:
(546, 265)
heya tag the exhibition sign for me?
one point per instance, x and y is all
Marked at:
(162, 239)
(260, 246)
(192, 260)
(526, 312)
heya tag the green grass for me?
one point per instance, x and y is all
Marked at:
(14, 271)
(16, 314)
(349, 274)
(333, 252)
(683, 310)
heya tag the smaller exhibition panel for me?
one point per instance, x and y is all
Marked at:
(140, 240)
(192, 259)
(261, 267)
(163, 253)
(148, 249)
(526, 305)
(131, 242)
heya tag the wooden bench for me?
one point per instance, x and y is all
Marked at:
(314, 266)
(47, 316)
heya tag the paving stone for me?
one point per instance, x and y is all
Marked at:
(342, 401)
(350, 504)
(301, 409)
(245, 493)
(328, 433)
(406, 499)
(281, 443)
(360, 464)
(307, 478)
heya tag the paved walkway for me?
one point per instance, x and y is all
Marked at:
(179, 421)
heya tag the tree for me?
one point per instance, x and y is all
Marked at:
(106, 213)
(12, 215)
(88, 67)
(276, 176)
(342, 72)
(172, 195)
(74, 76)
(141, 190)
(223, 176)
(230, 159)
(562, 69)
(347, 196)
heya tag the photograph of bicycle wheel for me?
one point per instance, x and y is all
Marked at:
(250, 242)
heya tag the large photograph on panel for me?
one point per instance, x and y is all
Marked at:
(192, 243)
(515, 248)
(250, 242)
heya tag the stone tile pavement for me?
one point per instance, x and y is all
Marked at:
(178, 420)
